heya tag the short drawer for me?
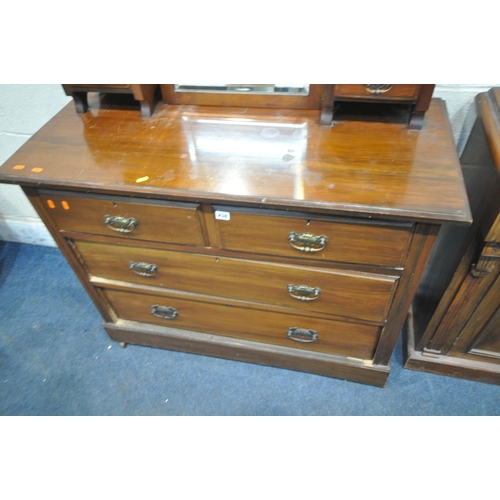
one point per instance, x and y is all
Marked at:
(357, 295)
(334, 337)
(378, 91)
(101, 87)
(264, 232)
(179, 223)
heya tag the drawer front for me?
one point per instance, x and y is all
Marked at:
(376, 244)
(168, 223)
(333, 337)
(378, 91)
(100, 85)
(357, 295)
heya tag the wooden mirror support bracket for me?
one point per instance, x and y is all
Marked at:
(144, 93)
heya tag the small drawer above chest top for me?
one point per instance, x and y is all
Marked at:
(401, 92)
(165, 222)
(313, 237)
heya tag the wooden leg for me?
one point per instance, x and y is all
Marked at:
(81, 102)
(327, 102)
(146, 109)
(326, 116)
(416, 120)
(422, 105)
(145, 94)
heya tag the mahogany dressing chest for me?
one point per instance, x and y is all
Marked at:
(250, 234)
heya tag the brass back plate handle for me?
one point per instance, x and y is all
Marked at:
(120, 224)
(164, 312)
(302, 335)
(303, 292)
(307, 242)
(143, 268)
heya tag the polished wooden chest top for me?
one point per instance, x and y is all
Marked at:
(281, 158)
(250, 234)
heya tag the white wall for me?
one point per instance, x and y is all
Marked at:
(461, 108)
(25, 108)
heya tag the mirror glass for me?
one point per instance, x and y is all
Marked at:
(246, 88)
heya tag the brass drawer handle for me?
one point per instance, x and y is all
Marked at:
(307, 242)
(164, 312)
(302, 335)
(378, 88)
(303, 292)
(143, 268)
(120, 224)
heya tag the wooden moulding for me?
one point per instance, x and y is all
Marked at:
(445, 365)
(356, 370)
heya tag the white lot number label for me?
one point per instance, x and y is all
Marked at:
(219, 215)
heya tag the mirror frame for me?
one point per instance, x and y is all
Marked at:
(311, 101)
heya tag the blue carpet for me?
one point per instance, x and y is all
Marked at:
(56, 359)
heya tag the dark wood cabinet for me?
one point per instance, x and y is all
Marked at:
(454, 328)
(247, 233)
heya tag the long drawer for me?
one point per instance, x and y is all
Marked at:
(273, 233)
(334, 337)
(353, 294)
(171, 222)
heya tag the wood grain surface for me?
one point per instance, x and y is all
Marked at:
(334, 337)
(348, 240)
(170, 223)
(357, 295)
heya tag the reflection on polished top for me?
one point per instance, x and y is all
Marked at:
(273, 158)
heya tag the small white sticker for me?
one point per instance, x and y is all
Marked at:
(222, 215)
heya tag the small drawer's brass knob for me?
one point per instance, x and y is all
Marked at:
(378, 88)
